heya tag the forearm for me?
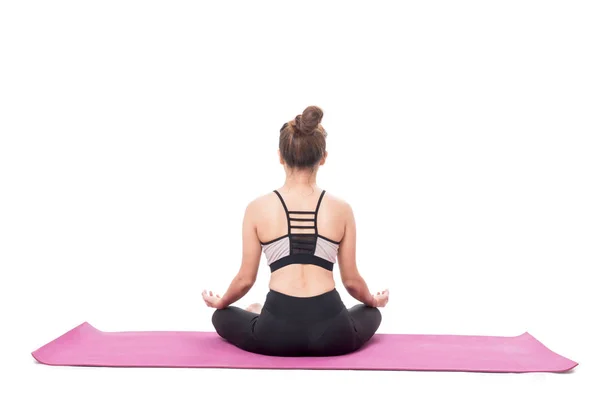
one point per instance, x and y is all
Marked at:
(358, 289)
(237, 289)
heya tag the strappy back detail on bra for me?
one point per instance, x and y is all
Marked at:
(302, 244)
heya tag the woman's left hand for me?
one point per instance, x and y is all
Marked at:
(212, 300)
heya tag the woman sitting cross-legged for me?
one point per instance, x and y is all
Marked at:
(303, 232)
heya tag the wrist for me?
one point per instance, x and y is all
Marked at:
(373, 301)
(220, 304)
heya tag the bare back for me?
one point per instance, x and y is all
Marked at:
(300, 280)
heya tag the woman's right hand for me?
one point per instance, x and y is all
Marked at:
(381, 298)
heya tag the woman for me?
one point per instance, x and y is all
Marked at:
(302, 231)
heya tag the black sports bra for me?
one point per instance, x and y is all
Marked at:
(302, 244)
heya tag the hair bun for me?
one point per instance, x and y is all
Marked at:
(309, 120)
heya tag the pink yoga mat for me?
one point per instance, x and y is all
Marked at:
(88, 346)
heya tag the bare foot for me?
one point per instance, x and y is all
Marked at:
(254, 308)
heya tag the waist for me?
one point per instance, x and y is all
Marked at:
(324, 305)
(302, 280)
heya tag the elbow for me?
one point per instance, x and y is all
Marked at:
(352, 284)
(245, 282)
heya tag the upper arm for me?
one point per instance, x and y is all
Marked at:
(347, 249)
(251, 248)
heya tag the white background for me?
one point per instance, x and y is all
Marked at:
(464, 135)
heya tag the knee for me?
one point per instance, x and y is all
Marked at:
(371, 314)
(218, 320)
(375, 315)
(372, 317)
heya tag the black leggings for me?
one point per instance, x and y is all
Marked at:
(299, 326)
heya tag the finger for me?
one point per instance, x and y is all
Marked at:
(210, 293)
(218, 296)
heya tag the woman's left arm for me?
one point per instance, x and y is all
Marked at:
(251, 252)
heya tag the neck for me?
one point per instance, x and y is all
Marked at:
(300, 180)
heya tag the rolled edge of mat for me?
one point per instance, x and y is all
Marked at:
(74, 335)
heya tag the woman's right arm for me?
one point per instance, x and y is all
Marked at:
(351, 278)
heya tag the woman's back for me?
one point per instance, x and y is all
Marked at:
(273, 226)
(303, 232)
